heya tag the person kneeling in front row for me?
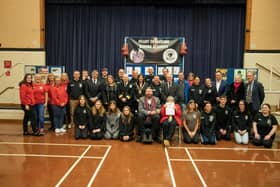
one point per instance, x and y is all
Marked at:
(191, 123)
(97, 125)
(264, 127)
(126, 124)
(208, 122)
(170, 118)
(82, 118)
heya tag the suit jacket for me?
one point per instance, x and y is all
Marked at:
(93, 90)
(142, 109)
(238, 95)
(222, 89)
(257, 94)
(169, 91)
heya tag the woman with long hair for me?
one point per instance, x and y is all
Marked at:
(241, 122)
(59, 99)
(50, 82)
(97, 125)
(264, 127)
(110, 91)
(67, 118)
(27, 104)
(126, 124)
(140, 87)
(41, 100)
(82, 118)
(112, 121)
(191, 123)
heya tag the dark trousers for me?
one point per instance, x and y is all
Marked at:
(96, 136)
(261, 141)
(219, 136)
(58, 116)
(208, 139)
(187, 139)
(29, 115)
(168, 128)
(81, 133)
(153, 124)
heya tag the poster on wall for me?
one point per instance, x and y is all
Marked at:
(224, 72)
(30, 69)
(241, 73)
(153, 50)
(56, 71)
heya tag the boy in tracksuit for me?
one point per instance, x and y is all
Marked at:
(207, 125)
(223, 120)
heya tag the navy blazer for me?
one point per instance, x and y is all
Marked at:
(223, 88)
(257, 94)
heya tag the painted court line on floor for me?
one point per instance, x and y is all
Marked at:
(227, 161)
(48, 156)
(170, 168)
(225, 148)
(98, 167)
(72, 167)
(53, 144)
(196, 168)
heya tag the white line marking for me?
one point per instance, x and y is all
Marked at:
(49, 156)
(228, 161)
(170, 168)
(55, 144)
(196, 168)
(225, 148)
(72, 167)
(98, 167)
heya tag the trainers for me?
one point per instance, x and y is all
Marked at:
(62, 130)
(166, 143)
(69, 126)
(57, 130)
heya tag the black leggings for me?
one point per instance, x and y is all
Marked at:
(29, 115)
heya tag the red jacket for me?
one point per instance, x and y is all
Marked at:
(178, 114)
(48, 88)
(26, 94)
(59, 95)
(39, 91)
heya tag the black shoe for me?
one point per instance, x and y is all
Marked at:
(158, 140)
(26, 133)
(138, 138)
(37, 133)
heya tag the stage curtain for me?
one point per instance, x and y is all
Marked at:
(90, 36)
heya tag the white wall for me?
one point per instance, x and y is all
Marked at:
(19, 60)
(271, 83)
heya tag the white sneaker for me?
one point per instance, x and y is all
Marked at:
(57, 130)
(62, 130)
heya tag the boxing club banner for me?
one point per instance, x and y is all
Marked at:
(153, 50)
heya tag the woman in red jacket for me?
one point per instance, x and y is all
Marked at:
(40, 97)
(27, 104)
(49, 84)
(170, 118)
(59, 99)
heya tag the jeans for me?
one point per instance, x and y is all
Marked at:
(58, 116)
(211, 139)
(39, 109)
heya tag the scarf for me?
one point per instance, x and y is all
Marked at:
(236, 86)
(151, 107)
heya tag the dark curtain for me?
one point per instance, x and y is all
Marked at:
(90, 37)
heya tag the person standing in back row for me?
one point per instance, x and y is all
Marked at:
(254, 94)
(75, 90)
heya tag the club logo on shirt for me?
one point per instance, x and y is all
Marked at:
(200, 91)
(80, 85)
(209, 91)
(269, 122)
(246, 117)
(194, 116)
(84, 111)
(226, 112)
(211, 118)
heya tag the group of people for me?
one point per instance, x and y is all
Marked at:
(115, 108)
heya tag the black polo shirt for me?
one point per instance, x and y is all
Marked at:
(265, 123)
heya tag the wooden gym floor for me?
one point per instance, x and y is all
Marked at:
(53, 160)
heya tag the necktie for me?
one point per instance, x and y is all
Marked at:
(249, 93)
